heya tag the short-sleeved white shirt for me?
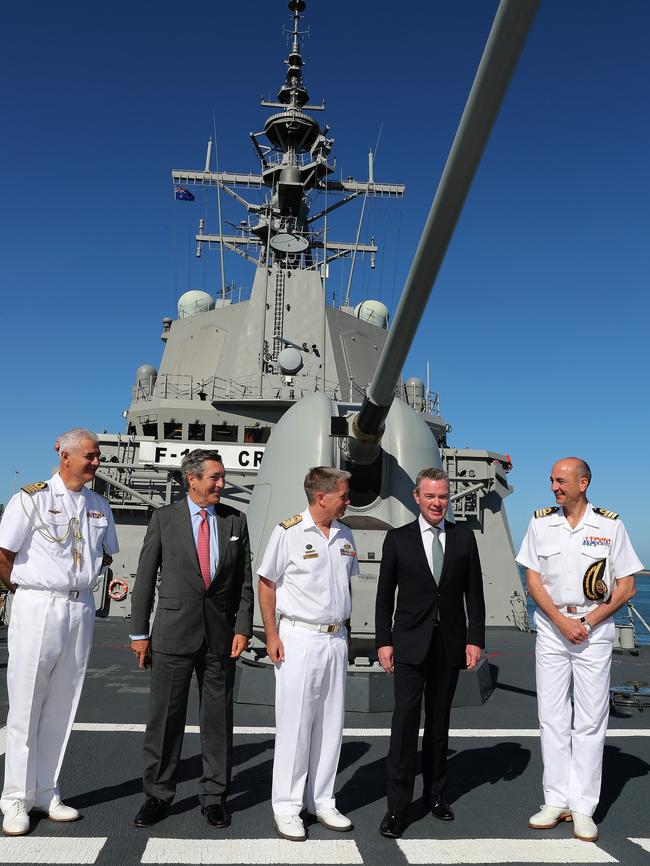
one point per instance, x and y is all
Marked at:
(562, 554)
(312, 573)
(32, 522)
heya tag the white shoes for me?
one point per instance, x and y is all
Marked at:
(584, 827)
(333, 819)
(16, 820)
(58, 811)
(290, 827)
(547, 817)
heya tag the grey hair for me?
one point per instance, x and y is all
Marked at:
(433, 473)
(323, 479)
(194, 462)
(72, 439)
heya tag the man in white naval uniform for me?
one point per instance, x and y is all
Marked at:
(55, 538)
(580, 568)
(305, 583)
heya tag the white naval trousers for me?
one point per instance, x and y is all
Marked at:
(309, 712)
(572, 742)
(49, 643)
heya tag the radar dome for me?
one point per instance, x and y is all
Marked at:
(374, 312)
(146, 373)
(193, 302)
(290, 361)
(415, 392)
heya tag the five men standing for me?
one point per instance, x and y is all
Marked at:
(580, 570)
(435, 567)
(305, 585)
(55, 537)
(202, 624)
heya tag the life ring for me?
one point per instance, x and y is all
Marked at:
(118, 589)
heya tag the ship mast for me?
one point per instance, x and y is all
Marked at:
(294, 153)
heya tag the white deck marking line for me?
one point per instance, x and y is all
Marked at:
(502, 851)
(50, 849)
(458, 733)
(251, 851)
(363, 733)
(643, 843)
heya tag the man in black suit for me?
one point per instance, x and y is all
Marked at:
(203, 621)
(435, 565)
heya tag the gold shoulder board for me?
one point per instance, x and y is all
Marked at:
(613, 515)
(546, 512)
(35, 487)
(291, 521)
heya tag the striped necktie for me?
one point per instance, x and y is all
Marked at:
(437, 554)
(203, 546)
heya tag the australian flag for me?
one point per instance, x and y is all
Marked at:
(182, 194)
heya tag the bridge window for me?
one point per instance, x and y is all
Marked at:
(224, 432)
(150, 428)
(173, 430)
(257, 435)
(196, 432)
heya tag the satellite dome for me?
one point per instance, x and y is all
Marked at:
(146, 373)
(193, 302)
(414, 387)
(374, 312)
(290, 361)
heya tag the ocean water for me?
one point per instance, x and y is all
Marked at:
(641, 602)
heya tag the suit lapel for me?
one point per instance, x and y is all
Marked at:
(187, 534)
(418, 545)
(450, 540)
(224, 526)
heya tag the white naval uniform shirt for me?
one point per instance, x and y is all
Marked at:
(30, 523)
(312, 573)
(562, 554)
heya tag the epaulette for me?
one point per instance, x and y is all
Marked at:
(35, 487)
(613, 515)
(546, 512)
(291, 521)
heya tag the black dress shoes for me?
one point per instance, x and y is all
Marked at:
(392, 825)
(440, 808)
(152, 812)
(217, 815)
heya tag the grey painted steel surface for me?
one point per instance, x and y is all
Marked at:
(221, 384)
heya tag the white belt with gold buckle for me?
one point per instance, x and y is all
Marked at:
(326, 627)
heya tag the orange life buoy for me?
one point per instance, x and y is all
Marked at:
(118, 589)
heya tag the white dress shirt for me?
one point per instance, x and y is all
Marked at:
(427, 537)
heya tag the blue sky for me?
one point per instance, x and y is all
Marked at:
(537, 327)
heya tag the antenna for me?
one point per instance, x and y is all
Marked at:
(208, 155)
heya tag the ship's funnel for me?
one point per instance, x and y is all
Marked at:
(505, 42)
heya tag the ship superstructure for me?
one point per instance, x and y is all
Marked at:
(232, 368)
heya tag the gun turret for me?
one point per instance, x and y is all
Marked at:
(506, 40)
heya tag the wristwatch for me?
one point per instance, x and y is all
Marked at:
(583, 620)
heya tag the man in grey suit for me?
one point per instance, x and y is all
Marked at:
(203, 621)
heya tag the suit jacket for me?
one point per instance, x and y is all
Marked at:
(187, 612)
(420, 601)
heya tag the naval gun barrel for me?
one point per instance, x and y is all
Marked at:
(505, 42)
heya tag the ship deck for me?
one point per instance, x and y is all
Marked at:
(495, 780)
